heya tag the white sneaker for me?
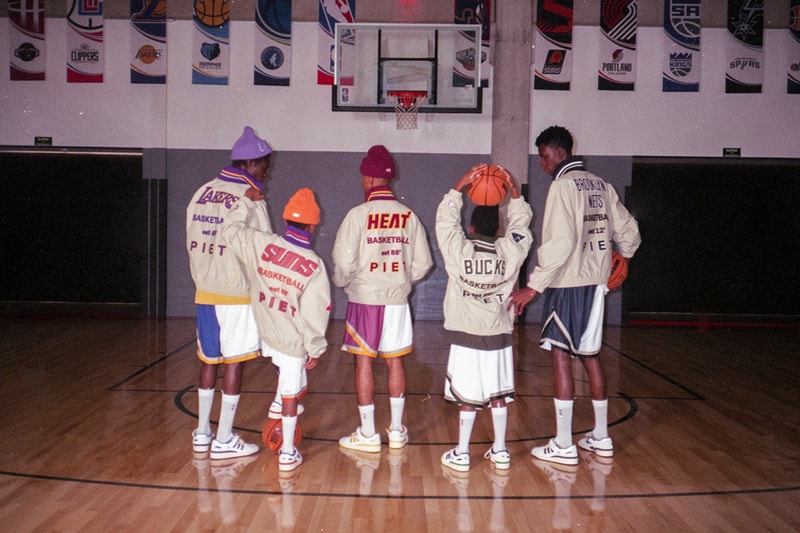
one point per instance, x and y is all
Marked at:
(276, 410)
(501, 459)
(457, 461)
(289, 461)
(235, 447)
(357, 441)
(201, 441)
(553, 453)
(397, 438)
(602, 447)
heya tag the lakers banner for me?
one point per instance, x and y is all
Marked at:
(618, 20)
(331, 12)
(26, 37)
(149, 41)
(472, 12)
(211, 42)
(86, 59)
(793, 83)
(745, 49)
(682, 45)
(553, 50)
(273, 62)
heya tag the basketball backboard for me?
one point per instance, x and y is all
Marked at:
(372, 62)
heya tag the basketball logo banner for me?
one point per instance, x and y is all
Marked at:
(86, 53)
(682, 46)
(273, 59)
(331, 12)
(553, 50)
(149, 41)
(745, 49)
(793, 83)
(618, 21)
(472, 12)
(211, 43)
(26, 37)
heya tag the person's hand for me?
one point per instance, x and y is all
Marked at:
(520, 298)
(466, 179)
(311, 363)
(254, 194)
(510, 185)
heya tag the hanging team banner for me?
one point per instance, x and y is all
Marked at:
(273, 60)
(472, 12)
(553, 50)
(793, 83)
(149, 41)
(86, 59)
(618, 20)
(211, 55)
(26, 37)
(331, 12)
(745, 49)
(682, 44)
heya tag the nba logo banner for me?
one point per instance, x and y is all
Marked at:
(331, 12)
(273, 62)
(472, 12)
(86, 59)
(149, 41)
(682, 45)
(211, 42)
(618, 21)
(745, 69)
(553, 51)
(793, 83)
(26, 37)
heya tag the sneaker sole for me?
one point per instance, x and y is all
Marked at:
(290, 467)
(457, 468)
(501, 466)
(366, 449)
(397, 444)
(598, 451)
(230, 455)
(569, 461)
(200, 449)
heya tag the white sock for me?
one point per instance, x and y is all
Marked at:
(367, 413)
(205, 401)
(500, 421)
(563, 422)
(600, 430)
(289, 424)
(397, 406)
(226, 413)
(466, 419)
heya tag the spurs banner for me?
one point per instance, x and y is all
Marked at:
(86, 53)
(682, 46)
(149, 41)
(553, 50)
(26, 37)
(273, 60)
(211, 55)
(331, 12)
(618, 20)
(793, 83)
(745, 47)
(472, 12)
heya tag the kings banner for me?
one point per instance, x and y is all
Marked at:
(85, 46)
(793, 83)
(149, 41)
(273, 52)
(618, 21)
(211, 55)
(472, 12)
(682, 46)
(331, 12)
(745, 46)
(26, 37)
(553, 50)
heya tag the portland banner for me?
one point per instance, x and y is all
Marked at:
(618, 20)
(745, 46)
(26, 37)
(553, 50)
(682, 46)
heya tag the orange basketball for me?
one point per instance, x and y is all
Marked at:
(489, 188)
(272, 434)
(212, 13)
(619, 271)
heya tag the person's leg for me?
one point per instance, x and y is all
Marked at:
(396, 375)
(231, 387)
(466, 421)
(205, 398)
(365, 390)
(500, 424)
(599, 391)
(564, 391)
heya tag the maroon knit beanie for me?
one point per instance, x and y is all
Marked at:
(378, 163)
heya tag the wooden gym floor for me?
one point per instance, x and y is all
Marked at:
(97, 416)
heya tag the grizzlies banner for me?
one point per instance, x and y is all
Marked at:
(472, 12)
(26, 37)
(682, 46)
(273, 62)
(86, 53)
(149, 41)
(745, 69)
(553, 50)
(793, 83)
(211, 56)
(618, 20)
(331, 12)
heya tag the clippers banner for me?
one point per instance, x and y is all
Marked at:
(745, 47)
(26, 37)
(331, 12)
(273, 53)
(472, 12)
(618, 20)
(149, 41)
(211, 55)
(553, 50)
(793, 83)
(682, 46)
(86, 53)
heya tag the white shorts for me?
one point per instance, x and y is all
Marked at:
(373, 330)
(226, 334)
(476, 377)
(292, 375)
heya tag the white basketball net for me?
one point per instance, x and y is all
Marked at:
(406, 107)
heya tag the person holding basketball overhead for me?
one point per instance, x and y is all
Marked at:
(583, 218)
(226, 331)
(380, 250)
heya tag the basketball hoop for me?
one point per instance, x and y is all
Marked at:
(406, 106)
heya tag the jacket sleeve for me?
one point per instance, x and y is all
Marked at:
(236, 230)
(422, 261)
(449, 233)
(625, 229)
(315, 308)
(346, 248)
(518, 231)
(558, 236)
